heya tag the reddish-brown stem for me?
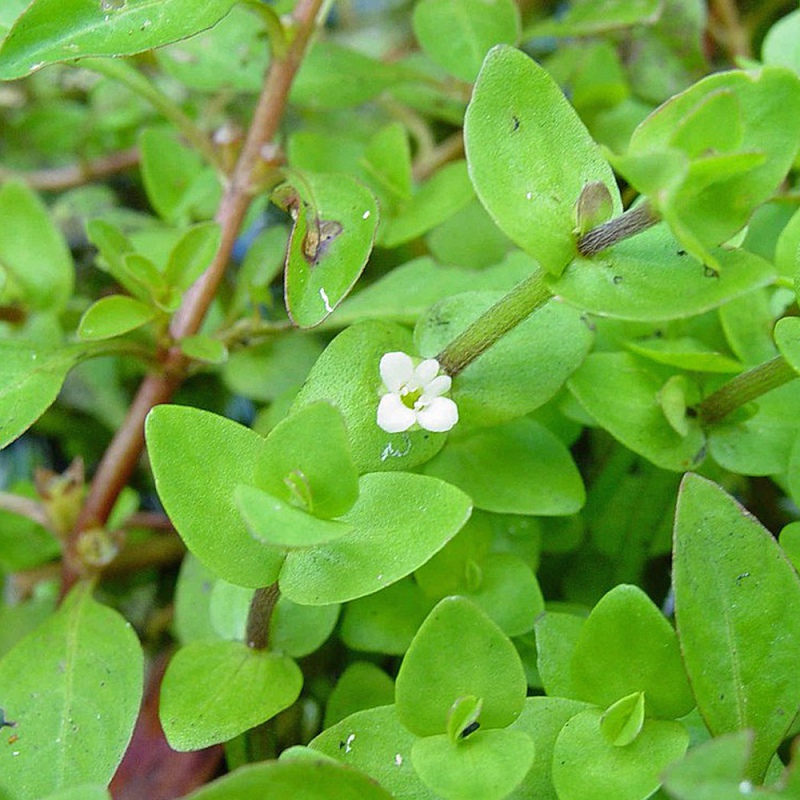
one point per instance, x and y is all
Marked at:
(59, 178)
(123, 453)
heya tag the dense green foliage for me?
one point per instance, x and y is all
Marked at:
(458, 336)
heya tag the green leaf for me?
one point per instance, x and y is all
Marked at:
(291, 780)
(787, 337)
(192, 254)
(623, 721)
(50, 31)
(385, 622)
(557, 636)
(113, 316)
(650, 277)
(335, 222)
(500, 385)
(361, 686)
(203, 348)
(780, 46)
(386, 166)
(306, 462)
(462, 721)
(31, 377)
(298, 630)
(406, 292)
(84, 792)
(347, 376)
(790, 542)
(399, 521)
(333, 76)
(457, 34)
(734, 587)
(684, 352)
(626, 645)
(191, 619)
(713, 771)
(213, 691)
(447, 191)
(280, 525)
(169, 170)
(530, 167)
(488, 765)
(73, 689)
(622, 394)
(198, 459)
(33, 252)
(587, 767)
(205, 62)
(591, 19)
(523, 469)
(542, 719)
(375, 743)
(447, 661)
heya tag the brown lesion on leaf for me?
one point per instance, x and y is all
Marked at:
(319, 232)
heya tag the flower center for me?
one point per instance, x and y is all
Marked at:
(409, 397)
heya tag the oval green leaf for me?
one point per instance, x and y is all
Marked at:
(734, 587)
(448, 660)
(73, 688)
(112, 316)
(213, 691)
(398, 522)
(335, 222)
(198, 459)
(530, 156)
(49, 31)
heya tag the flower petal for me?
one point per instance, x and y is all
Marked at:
(439, 415)
(426, 371)
(396, 370)
(393, 416)
(438, 386)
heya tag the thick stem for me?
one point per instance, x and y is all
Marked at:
(633, 221)
(526, 297)
(259, 616)
(743, 389)
(122, 455)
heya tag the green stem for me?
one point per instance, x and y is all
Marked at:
(118, 70)
(633, 221)
(525, 298)
(259, 616)
(744, 388)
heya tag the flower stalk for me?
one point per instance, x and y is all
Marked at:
(743, 389)
(526, 297)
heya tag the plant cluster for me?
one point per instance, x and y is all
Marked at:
(423, 367)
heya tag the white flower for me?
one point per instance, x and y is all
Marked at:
(414, 395)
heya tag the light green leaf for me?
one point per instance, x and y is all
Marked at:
(298, 779)
(31, 377)
(622, 394)
(734, 587)
(60, 30)
(457, 34)
(192, 254)
(361, 686)
(787, 337)
(280, 525)
(523, 469)
(623, 721)
(586, 766)
(33, 251)
(781, 46)
(113, 316)
(651, 277)
(626, 645)
(447, 191)
(447, 661)
(530, 167)
(203, 348)
(593, 19)
(399, 521)
(557, 636)
(378, 745)
(488, 765)
(213, 691)
(335, 222)
(73, 689)
(198, 459)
